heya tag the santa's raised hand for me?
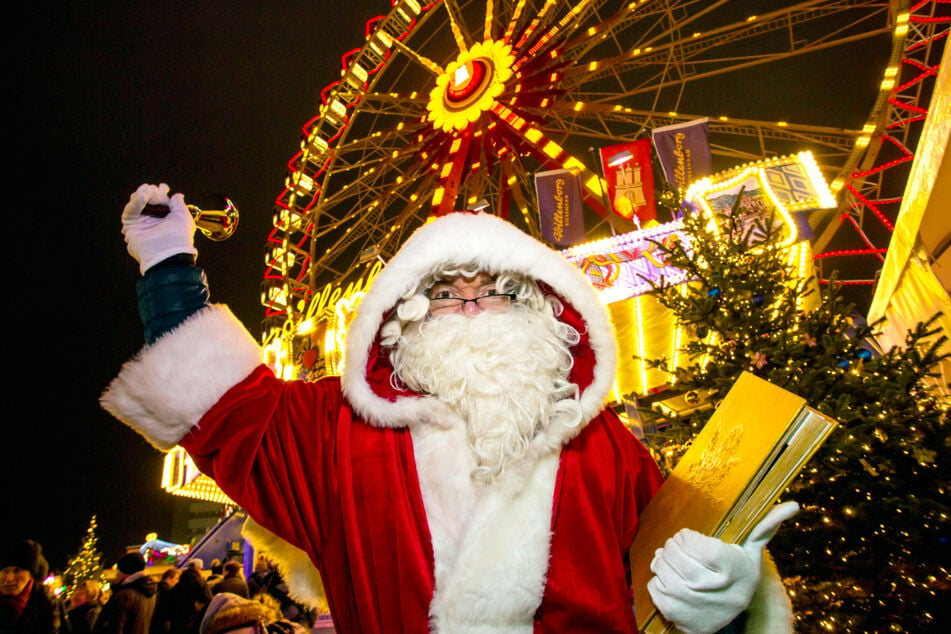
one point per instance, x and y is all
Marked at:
(151, 239)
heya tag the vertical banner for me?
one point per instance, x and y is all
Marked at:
(629, 175)
(560, 214)
(684, 152)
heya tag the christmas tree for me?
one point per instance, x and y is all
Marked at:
(87, 563)
(869, 550)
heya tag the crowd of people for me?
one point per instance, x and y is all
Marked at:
(136, 601)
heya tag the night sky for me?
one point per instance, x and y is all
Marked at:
(208, 96)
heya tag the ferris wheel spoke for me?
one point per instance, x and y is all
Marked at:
(376, 196)
(543, 29)
(516, 187)
(579, 45)
(550, 153)
(648, 68)
(456, 25)
(372, 187)
(514, 21)
(450, 175)
(648, 29)
(599, 121)
(489, 21)
(398, 106)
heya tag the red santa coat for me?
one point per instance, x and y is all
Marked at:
(371, 483)
(347, 493)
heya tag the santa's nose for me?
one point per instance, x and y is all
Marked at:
(471, 308)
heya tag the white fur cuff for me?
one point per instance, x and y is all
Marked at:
(168, 386)
(770, 611)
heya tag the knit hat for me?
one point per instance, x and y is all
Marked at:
(131, 563)
(27, 555)
(227, 611)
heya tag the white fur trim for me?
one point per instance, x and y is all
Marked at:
(496, 246)
(770, 611)
(303, 579)
(166, 389)
(491, 544)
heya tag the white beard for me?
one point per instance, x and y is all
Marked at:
(505, 374)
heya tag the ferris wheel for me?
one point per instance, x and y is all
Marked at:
(456, 104)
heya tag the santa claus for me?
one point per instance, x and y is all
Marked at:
(463, 475)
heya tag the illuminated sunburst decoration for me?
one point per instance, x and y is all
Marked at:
(470, 85)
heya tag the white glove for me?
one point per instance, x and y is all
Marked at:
(149, 239)
(701, 583)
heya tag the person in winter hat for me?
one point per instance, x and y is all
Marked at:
(130, 564)
(233, 581)
(234, 614)
(180, 610)
(129, 609)
(197, 564)
(24, 606)
(84, 606)
(463, 474)
(27, 555)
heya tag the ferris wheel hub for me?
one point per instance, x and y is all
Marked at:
(469, 85)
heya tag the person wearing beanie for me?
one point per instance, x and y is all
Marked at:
(232, 581)
(129, 609)
(85, 606)
(230, 613)
(130, 563)
(24, 606)
(258, 580)
(217, 572)
(180, 611)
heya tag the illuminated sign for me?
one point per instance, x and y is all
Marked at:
(180, 476)
(784, 185)
(628, 265)
(331, 294)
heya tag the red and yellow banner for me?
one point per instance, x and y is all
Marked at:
(629, 177)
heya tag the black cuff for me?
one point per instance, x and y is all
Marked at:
(169, 293)
(179, 259)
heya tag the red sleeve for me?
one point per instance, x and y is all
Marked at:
(269, 444)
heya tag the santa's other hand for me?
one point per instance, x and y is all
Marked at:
(767, 527)
(701, 583)
(151, 239)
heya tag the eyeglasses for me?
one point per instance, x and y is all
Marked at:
(495, 302)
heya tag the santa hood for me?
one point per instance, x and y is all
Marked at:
(495, 246)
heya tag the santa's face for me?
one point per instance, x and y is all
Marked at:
(467, 295)
(501, 370)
